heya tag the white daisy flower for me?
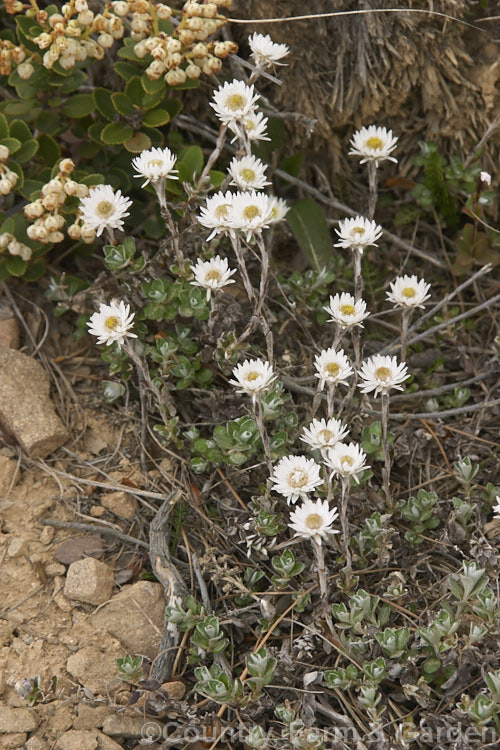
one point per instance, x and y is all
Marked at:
(112, 323)
(279, 208)
(358, 233)
(496, 508)
(104, 208)
(296, 476)
(254, 125)
(332, 367)
(381, 373)
(233, 101)
(313, 520)
(155, 164)
(408, 291)
(373, 144)
(266, 53)
(212, 274)
(485, 177)
(217, 213)
(346, 460)
(323, 433)
(253, 376)
(248, 173)
(346, 311)
(251, 212)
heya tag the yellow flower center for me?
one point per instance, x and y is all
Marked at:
(347, 309)
(409, 292)
(213, 275)
(155, 163)
(325, 435)
(248, 175)
(111, 323)
(382, 373)
(235, 102)
(332, 368)
(374, 143)
(249, 124)
(297, 478)
(314, 521)
(346, 460)
(251, 212)
(252, 375)
(358, 230)
(104, 209)
(221, 211)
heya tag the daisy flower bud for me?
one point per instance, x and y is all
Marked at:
(266, 53)
(381, 373)
(295, 476)
(217, 213)
(358, 233)
(112, 323)
(373, 144)
(254, 125)
(248, 173)
(332, 367)
(408, 291)
(104, 209)
(313, 520)
(212, 274)
(253, 376)
(346, 311)
(346, 460)
(233, 101)
(155, 164)
(323, 433)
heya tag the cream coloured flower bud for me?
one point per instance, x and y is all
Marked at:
(173, 45)
(194, 24)
(224, 49)
(43, 41)
(87, 235)
(210, 26)
(193, 9)
(82, 191)
(18, 55)
(120, 8)
(201, 35)
(100, 23)
(74, 231)
(137, 36)
(67, 10)
(81, 5)
(50, 58)
(54, 222)
(210, 10)
(116, 28)
(66, 166)
(175, 77)
(54, 19)
(99, 52)
(150, 43)
(53, 186)
(212, 65)
(86, 17)
(141, 6)
(193, 71)
(67, 62)
(4, 153)
(71, 187)
(140, 49)
(19, 248)
(186, 36)
(163, 11)
(199, 50)
(12, 177)
(155, 70)
(34, 210)
(5, 239)
(139, 25)
(81, 53)
(105, 40)
(73, 29)
(53, 201)
(55, 237)
(25, 70)
(174, 60)
(159, 52)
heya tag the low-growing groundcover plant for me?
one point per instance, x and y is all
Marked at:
(331, 428)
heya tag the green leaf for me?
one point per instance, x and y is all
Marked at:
(94, 132)
(151, 101)
(216, 178)
(73, 83)
(16, 266)
(139, 142)
(125, 69)
(79, 105)
(48, 149)
(48, 122)
(173, 107)
(134, 90)
(156, 117)
(103, 103)
(122, 103)
(19, 130)
(93, 179)
(116, 132)
(190, 163)
(27, 151)
(308, 224)
(18, 107)
(35, 270)
(152, 87)
(30, 187)
(293, 164)
(12, 144)
(4, 127)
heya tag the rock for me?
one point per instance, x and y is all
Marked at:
(26, 411)
(135, 616)
(18, 546)
(124, 726)
(76, 740)
(16, 739)
(96, 511)
(90, 717)
(35, 743)
(175, 690)
(9, 333)
(94, 669)
(9, 474)
(89, 580)
(47, 534)
(120, 503)
(17, 719)
(106, 743)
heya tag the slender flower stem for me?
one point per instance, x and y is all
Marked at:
(386, 471)
(405, 322)
(163, 398)
(110, 235)
(372, 184)
(358, 278)
(159, 186)
(236, 243)
(330, 400)
(322, 574)
(356, 343)
(213, 313)
(344, 498)
(257, 410)
(204, 178)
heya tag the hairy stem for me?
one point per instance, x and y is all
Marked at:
(344, 498)
(257, 410)
(386, 471)
(372, 185)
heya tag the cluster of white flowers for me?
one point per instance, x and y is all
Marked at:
(235, 105)
(248, 212)
(358, 233)
(253, 377)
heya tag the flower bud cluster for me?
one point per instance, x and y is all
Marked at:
(45, 211)
(10, 55)
(8, 178)
(14, 247)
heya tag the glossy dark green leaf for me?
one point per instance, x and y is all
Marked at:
(16, 266)
(27, 151)
(19, 130)
(134, 90)
(103, 102)
(116, 133)
(13, 144)
(308, 224)
(125, 69)
(48, 149)
(139, 142)
(79, 105)
(156, 117)
(122, 103)
(152, 87)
